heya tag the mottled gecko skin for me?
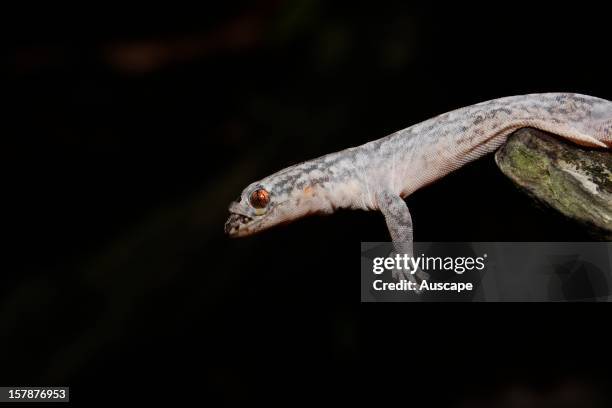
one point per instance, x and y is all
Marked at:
(379, 174)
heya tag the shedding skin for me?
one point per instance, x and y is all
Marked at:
(377, 176)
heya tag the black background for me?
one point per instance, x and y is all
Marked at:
(130, 132)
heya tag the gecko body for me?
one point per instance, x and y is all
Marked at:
(380, 174)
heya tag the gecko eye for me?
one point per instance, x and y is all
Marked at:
(260, 198)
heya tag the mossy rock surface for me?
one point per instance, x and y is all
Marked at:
(574, 180)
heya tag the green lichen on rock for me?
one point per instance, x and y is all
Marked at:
(575, 180)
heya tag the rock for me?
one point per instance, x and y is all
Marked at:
(572, 179)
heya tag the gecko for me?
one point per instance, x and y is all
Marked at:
(379, 175)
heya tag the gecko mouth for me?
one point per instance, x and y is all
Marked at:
(235, 223)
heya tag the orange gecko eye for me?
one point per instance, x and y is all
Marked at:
(260, 198)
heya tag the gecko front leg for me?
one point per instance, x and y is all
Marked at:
(399, 223)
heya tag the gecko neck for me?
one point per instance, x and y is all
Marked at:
(344, 184)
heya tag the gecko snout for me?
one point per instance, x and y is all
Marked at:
(235, 223)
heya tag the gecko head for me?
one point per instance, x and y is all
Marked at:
(270, 202)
